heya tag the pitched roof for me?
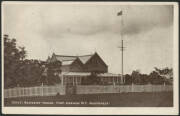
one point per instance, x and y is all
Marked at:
(85, 58)
(65, 58)
(70, 59)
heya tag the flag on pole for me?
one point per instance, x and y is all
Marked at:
(119, 13)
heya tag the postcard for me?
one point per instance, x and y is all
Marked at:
(90, 58)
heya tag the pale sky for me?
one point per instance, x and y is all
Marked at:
(81, 29)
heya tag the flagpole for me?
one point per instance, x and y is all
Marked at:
(121, 47)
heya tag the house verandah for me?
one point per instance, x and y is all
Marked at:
(76, 78)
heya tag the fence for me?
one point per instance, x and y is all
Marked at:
(83, 89)
(120, 89)
(34, 91)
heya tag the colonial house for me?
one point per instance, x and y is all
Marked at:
(74, 68)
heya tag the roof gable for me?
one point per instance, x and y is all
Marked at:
(85, 58)
(97, 56)
(70, 62)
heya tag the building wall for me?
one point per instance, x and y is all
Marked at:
(95, 64)
(65, 68)
(77, 66)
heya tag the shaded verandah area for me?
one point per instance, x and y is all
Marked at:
(75, 78)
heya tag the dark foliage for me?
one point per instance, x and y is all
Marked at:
(19, 71)
(158, 76)
(13, 60)
(91, 80)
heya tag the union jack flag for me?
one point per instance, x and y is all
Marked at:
(119, 13)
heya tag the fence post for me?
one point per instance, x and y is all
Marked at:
(30, 91)
(132, 87)
(16, 92)
(11, 92)
(5, 94)
(113, 81)
(22, 91)
(164, 87)
(149, 87)
(42, 89)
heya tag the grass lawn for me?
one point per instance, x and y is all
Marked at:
(158, 99)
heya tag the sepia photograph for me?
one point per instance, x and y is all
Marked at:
(89, 58)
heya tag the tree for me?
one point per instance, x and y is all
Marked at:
(53, 71)
(128, 79)
(32, 72)
(145, 79)
(26, 72)
(166, 74)
(155, 78)
(13, 55)
(136, 79)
